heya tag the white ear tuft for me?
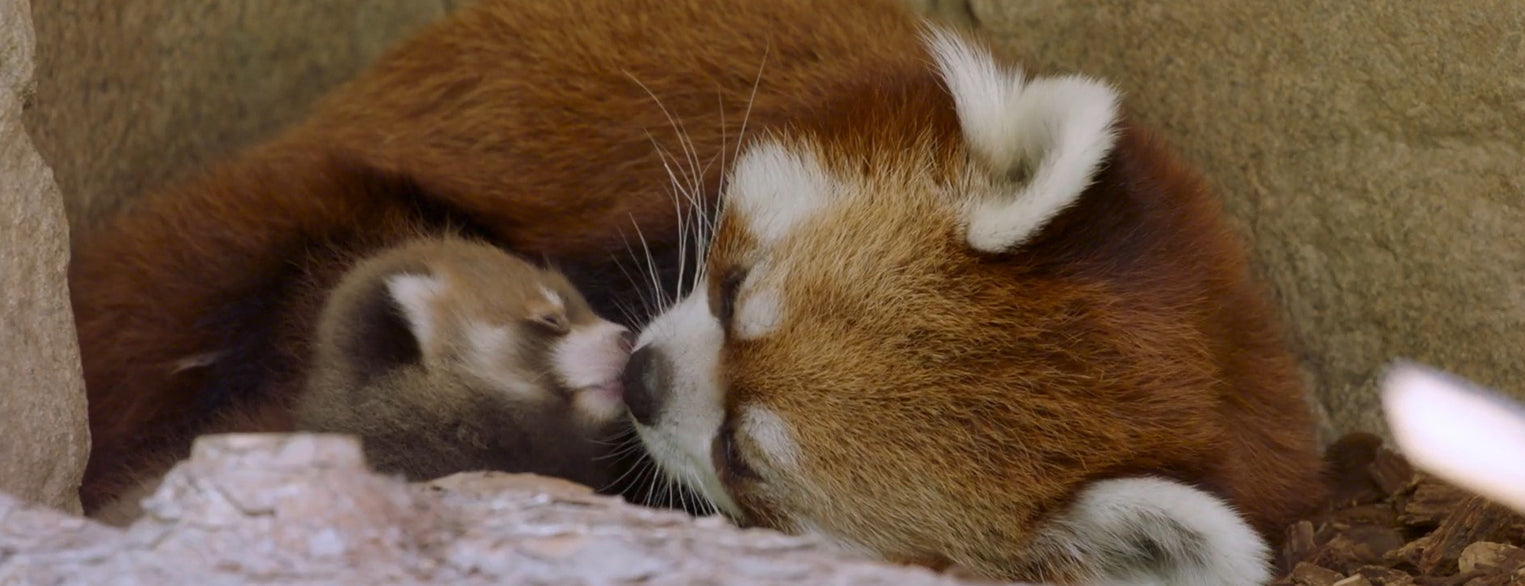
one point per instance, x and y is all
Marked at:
(1052, 132)
(772, 435)
(416, 295)
(983, 93)
(774, 187)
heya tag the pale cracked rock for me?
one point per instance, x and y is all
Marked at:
(303, 509)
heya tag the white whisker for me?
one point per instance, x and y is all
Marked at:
(684, 141)
(677, 205)
(651, 485)
(700, 493)
(633, 443)
(651, 264)
(751, 100)
(678, 190)
(646, 302)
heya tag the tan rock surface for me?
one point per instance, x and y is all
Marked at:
(42, 396)
(1374, 150)
(302, 509)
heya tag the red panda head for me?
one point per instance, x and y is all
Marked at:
(940, 314)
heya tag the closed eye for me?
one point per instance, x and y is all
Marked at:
(729, 462)
(725, 307)
(551, 322)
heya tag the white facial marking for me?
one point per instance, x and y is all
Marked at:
(590, 356)
(773, 188)
(689, 337)
(553, 298)
(760, 306)
(488, 346)
(771, 434)
(589, 360)
(416, 295)
(1116, 524)
(1057, 130)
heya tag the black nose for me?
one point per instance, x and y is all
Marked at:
(645, 382)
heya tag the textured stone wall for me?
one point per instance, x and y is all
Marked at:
(136, 92)
(42, 393)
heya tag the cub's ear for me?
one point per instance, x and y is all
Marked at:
(389, 324)
(417, 296)
(1040, 142)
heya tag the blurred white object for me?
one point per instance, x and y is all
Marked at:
(1466, 435)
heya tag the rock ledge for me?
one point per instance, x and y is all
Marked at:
(303, 509)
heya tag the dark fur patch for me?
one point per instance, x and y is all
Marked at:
(382, 338)
(245, 339)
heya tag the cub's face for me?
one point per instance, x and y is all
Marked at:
(512, 330)
(468, 324)
(847, 363)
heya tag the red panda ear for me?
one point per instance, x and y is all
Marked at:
(416, 297)
(396, 324)
(388, 324)
(1040, 141)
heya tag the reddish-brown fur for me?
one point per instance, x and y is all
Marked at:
(1147, 348)
(1126, 339)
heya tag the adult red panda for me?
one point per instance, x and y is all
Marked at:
(950, 313)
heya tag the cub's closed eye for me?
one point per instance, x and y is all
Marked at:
(727, 458)
(726, 304)
(554, 322)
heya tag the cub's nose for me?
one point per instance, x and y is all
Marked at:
(645, 380)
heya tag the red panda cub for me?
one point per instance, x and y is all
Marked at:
(444, 355)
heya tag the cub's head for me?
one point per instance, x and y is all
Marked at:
(446, 355)
(894, 342)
